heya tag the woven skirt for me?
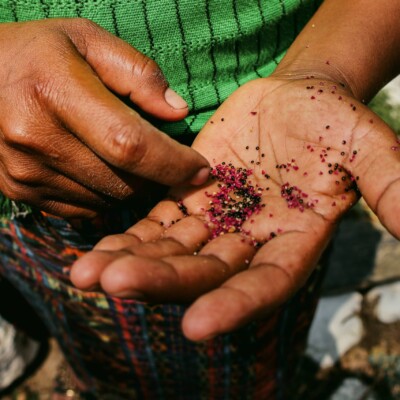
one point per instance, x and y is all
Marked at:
(125, 349)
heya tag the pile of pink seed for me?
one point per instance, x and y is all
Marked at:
(235, 201)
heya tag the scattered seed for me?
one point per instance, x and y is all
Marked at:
(295, 197)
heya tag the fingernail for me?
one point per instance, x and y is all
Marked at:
(174, 100)
(201, 177)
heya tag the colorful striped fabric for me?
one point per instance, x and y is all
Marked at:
(123, 349)
(129, 350)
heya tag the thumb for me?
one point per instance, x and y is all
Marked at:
(125, 70)
(377, 170)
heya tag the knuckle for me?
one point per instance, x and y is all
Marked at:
(18, 174)
(21, 137)
(83, 25)
(50, 94)
(14, 191)
(82, 32)
(86, 23)
(42, 87)
(15, 135)
(126, 145)
(147, 71)
(46, 90)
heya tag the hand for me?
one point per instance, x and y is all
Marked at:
(68, 145)
(309, 145)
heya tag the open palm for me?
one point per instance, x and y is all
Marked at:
(290, 157)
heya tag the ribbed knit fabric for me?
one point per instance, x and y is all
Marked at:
(206, 48)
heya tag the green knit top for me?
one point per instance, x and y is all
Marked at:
(206, 48)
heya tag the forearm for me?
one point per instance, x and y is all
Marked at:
(354, 42)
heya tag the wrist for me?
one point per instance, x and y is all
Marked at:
(325, 70)
(350, 42)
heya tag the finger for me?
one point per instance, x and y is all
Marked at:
(376, 168)
(56, 206)
(119, 135)
(35, 145)
(86, 271)
(162, 216)
(66, 210)
(28, 195)
(28, 182)
(177, 278)
(184, 237)
(146, 239)
(274, 275)
(126, 71)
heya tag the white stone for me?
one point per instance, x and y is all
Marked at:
(16, 353)
(351, 389)
(393, 89)
(336, 328)
(387, 309)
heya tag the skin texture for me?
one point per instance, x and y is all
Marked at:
(68, 144)
(230, 281)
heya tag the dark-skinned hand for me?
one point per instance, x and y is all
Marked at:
(68, 144)
(311, 144)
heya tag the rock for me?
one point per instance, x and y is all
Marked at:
(16, 353)
(393, 90)
(336, 328)
(387, 256)
(351, 389)
(387, 298)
